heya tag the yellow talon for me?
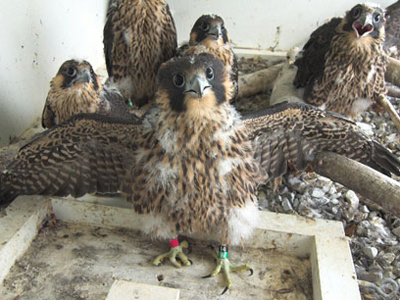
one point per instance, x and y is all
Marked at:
(224, 266)
(173, 254)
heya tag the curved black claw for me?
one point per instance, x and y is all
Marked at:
(191, 262)
(207, 276)
(251, 272)
(225, 289)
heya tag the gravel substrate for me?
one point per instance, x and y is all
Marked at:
(373, 233)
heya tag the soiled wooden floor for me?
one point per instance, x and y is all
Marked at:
(73, 261)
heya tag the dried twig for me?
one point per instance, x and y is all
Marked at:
(258, 82)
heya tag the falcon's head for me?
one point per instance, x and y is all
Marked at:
(210, 31)
(365, 20)
(75, 75)
(74, 89)
(193, 84)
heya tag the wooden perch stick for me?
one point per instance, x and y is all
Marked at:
(388, 107)
(258, 82)
(393, 91)
(393, 71)
(362, 179)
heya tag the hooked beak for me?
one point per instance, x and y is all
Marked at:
(215, 32)
(83, 76)
(363, 25)
(197, 86)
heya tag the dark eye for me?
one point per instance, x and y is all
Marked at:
(179, 80)
(204, 26)
(71, 72)
(377, 17)
(210, 73)
(356, 12)
(92, 72)
(222, 27)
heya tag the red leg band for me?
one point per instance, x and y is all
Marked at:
(174, 243)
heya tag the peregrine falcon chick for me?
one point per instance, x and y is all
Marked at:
(209, 35)
(138, 37)
(195, 171)
(77, 89)
(342, 66)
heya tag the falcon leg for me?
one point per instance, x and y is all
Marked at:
(385, 103)
(224, 266)
(129, 103)
(175, 253)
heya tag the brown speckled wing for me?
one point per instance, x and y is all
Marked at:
(48, 116)
(169, 38)
(286, 137)
(86, 154)
(138, 37)
(392, 26)
(311, 63)
(108, 35)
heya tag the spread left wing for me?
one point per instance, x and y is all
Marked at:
(286, 137)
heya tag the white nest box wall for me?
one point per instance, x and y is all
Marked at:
(36, 36)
